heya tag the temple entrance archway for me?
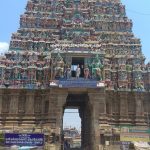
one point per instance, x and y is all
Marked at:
(82, 103)
(91, 104)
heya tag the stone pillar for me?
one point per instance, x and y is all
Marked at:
(98, 102)
(52, 116)
(14, 103)
(109, 103)
(44, 98)
(112, 106)
(52, 108)
(123, 107)
(57, 99)
(139, 96)
(30, 103)
(61, 102)
(60, 109)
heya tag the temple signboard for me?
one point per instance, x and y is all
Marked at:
(24, 139)
(135, 134)
(134, 137)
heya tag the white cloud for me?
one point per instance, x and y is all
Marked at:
(3, 47)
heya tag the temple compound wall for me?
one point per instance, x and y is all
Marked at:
(42, 111)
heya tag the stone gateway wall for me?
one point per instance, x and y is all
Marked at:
(42, 111)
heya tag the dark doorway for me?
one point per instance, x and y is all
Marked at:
(75, 62)
(80, 103)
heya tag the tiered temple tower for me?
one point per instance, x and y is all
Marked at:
(54, 39)
(74, 27)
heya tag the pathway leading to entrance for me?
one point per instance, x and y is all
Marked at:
(75, 149)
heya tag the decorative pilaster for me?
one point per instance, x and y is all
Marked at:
(57, 101)
(131, 108)
(44, 99)
(123, 107)
(30, 103)
(52, 106)
(98, 102)
(139, 108)
(14, 103)
(112, 107)
(61, 102)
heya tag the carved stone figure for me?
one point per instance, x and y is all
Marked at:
(2, 71)
(32, 72)
(86, 72)
(78, 72)
(16, 73)
(68, 72)
(59, 67)
(97, 67)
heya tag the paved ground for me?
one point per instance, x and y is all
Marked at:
(75, 149)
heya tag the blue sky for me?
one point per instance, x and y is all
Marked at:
(137, 10)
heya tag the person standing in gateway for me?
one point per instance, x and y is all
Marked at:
(78, 71)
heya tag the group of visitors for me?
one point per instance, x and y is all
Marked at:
(80, 71)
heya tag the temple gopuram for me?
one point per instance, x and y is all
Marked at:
(76, 54)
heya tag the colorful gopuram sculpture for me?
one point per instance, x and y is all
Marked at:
(98, 31)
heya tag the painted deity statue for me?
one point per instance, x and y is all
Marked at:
(86, 72)
(78, 72)
(16, 72)
(32, 72)
(2, 71)
(68, 72)
(58, 66)
(46, 73)
(96, 68)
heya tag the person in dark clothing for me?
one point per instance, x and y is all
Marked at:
(82, 71)
(66, 145)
